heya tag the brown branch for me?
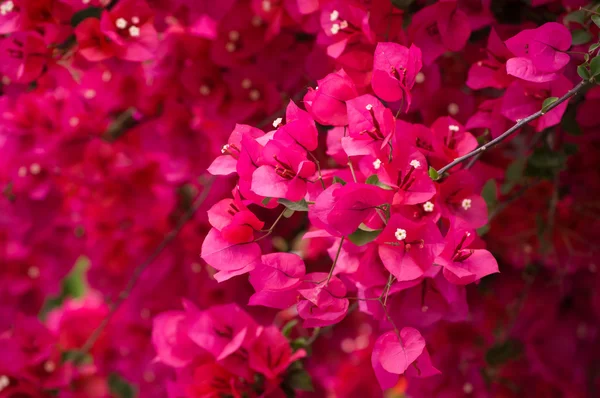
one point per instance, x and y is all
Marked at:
(513, 129)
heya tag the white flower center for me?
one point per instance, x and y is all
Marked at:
(89, 94)
(135, 20)
(369, 107)
(343, 24)
(424, 308)
(6, 7)
(74, 121)
(453, 108)
(377, 164)
(49, 366)
(468, 388)
(35, 168)
(204, 90)
(415, 163)
(246, 83)
(234, 35)
(400, 234)
(33, 272)
(225, 148)
(453, 127)
(106, 76)
(230, 47)
(420, 78)
(335, 28)
(266, 5)
(86, 1)
(121, 23)
(254, 95)
(277, 122)
(428, 207)
(334, 15)
(466, 204)
(22, 172)
(4, 382)
(134, 31)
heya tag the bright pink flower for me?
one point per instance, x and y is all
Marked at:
(170, 338)
(92, 43)
(491, 72)
(344, 23)
(226, 163)
(23, 56)
(370, 126)
(130, 28)
(271, 354)
(322, 303)
(394, 71)
(396, 351)
(299, 128)
(230, 259)
(462, 265)
(341, 209)
(232, 218)
(283, 173)
(489, 116)
(277, 271)
(222, 330)
(327, 102)
(451, 140)
(540, 53)
(458, 198)
(438, 28)
(524, 98)
(408, 248)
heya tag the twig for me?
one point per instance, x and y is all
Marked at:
(337, 256)
(139, 270)
(514, 128)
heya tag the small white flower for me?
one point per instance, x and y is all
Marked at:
(466, 204)
(33, 272)
(428, 207)
(106, 76)
(234, 35)
(254, 95)
(89, 94)
(377, 164)
(22, 172)
(225, 148)
(400, 234)
(415, 163)
(343, 24)
(334, 15)
(420, 78)
(468, 388)
(121, 23)
(246, 83)
(256, 21)
(335, 28)
(134, 31)
(4, 382)
(266, 5)
(74, 121)
(453, 127)
(49, 366)
(424, 308)
(369, 107)
(204, 90)
(7, 7)
(453, 108)
(230, 47)
(35, 168)
(135, 20)
(277, 122)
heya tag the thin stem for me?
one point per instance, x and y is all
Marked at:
(514, 128)
(352, 170)
(139, 270)
(318, 168)
(337, 256)
(270, 230)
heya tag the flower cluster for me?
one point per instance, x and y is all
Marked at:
(279, 198)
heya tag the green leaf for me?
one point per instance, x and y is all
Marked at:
(583, 72)
(569, 121)
(300, 205)
(299, 381)
(374, 180)
(90, 12)
(545, 163)
(576, 16)
(338, 180)
(595, 66)
(287, 328)
(300, 342)
(266, 201)
(361, 237)
(580, 36)
(120, 387)
(287, 213)
(433, 174)
(547, 103)
(501, 353)
(514, 174)
(594, 47)
(490, 194)
(596, 20)
(74, 284)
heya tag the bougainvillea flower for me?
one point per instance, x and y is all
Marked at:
(230, 259)
(540, 53)
(272, 354)
(395, 68)
(323, 302)
(395, 352)
(461, 264)
(458, 198)
(451, 140)
(227, 162)
(170, 338)
(232, 218)
(327, 102)
(408, 248)
(299, 128)
(277, 271)
(23, 56)
(284, 172)
(491, 72)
